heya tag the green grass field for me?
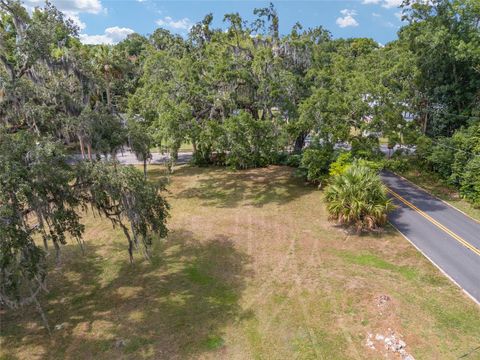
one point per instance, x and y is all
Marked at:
(251, 269)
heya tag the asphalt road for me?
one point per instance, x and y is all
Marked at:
(446, 236)
(129, 158)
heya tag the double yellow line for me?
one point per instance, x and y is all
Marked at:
(435, 222)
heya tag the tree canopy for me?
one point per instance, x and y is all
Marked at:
(55, 92)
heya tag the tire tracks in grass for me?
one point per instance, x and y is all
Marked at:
(312, 260)
(299, 285)
(266, 288)
(288, 266)
(340, 321)
(297, 290)
(293, 289)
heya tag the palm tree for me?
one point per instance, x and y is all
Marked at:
(108, 65)
(357, 197)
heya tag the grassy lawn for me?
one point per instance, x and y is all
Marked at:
(448, 193)
(252, 269)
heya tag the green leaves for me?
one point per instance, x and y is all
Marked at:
(247, 142)
(316, 162)
(41, 196)
(36, 199)
(125, 197)
(443, 38)
(358, 198)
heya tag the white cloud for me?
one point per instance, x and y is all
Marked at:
(388, 3)
(398, 15)
(181, 24)
(347, 19)
(88, 6)
(76, 19)
(72, 6)
(111, 36)
(392, 3)
(374, 14)
(348, 12)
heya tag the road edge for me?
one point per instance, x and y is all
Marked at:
(477, 302)
(435, 196)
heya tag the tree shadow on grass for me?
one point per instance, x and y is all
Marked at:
(254, 187)
(172, 307)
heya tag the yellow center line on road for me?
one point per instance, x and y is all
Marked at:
(435, 222)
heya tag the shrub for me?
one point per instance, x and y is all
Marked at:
(423, 148)
(316, 163)
(248, 142)
(442, 157)
(375, 165)
(280, 158)
(398, 164)
(470, 185)
(284, 158)
(366, 148)
(343, 161)
(358, 198)
(294, 160)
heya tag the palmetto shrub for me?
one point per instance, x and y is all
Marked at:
(358, 198)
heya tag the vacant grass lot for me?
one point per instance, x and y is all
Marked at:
(252, 269)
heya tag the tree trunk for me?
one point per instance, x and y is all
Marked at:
(109, 97)
(145, 168)
(299, 142)
(89, 149)
(194, 146)
(82, 146)
(425, 123)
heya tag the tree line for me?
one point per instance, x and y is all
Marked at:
(245, 95)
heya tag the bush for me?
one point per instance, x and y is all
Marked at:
(423, 148)
(343, 161)
(283, 158)
(470, 185)
(294, 160)
(248, 142)
(398, 164)
(316, 163)
(375, 165)
(280, 158)
(346, 159)
(358, 198)
(366, 148)
(442, 157)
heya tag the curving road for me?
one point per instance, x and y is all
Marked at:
(447, 237)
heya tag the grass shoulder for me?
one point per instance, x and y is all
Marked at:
(434, 185)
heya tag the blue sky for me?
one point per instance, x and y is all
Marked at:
(109, 21)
